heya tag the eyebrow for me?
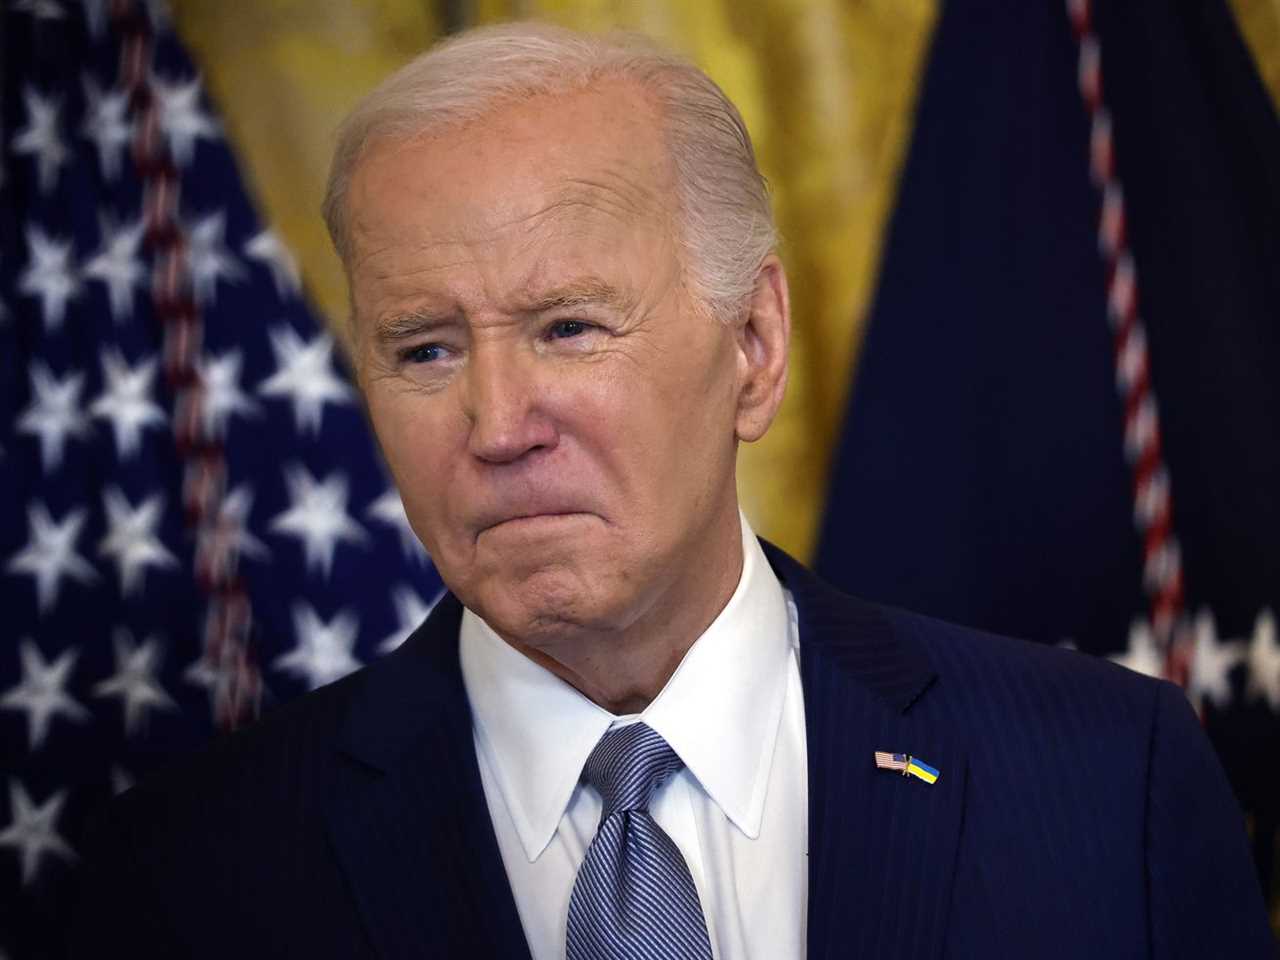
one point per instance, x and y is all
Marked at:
(402, 326)
(588, 291)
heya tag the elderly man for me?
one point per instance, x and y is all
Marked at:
(631, 729)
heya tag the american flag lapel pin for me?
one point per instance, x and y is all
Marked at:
(907, 765)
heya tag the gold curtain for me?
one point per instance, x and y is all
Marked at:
(1259, 21)
(283, 74)
(827, 88)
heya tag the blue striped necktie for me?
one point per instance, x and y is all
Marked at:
(634, 897)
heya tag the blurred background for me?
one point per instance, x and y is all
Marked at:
(1034, 253)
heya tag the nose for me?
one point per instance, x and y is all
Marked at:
(505, 401)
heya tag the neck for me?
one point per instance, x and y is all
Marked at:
(623, 670)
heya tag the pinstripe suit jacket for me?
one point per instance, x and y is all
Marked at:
(1080, 812)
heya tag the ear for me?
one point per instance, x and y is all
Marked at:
(763, 335)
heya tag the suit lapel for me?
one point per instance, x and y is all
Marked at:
(882, 847)
(408, 816)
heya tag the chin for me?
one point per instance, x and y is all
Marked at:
(549, 606)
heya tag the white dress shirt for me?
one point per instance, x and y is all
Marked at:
(733, 711)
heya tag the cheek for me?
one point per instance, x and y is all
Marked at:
(417, 451)
(658, 430)
(689, 405)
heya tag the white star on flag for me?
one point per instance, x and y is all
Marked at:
(269, 249)
(323, 652)
(54, 413)
(120, 780)
(317, 516)
(41, 691)
(1142, 655)
(389, 509)
(134, 681)
(117, 265)
(131, 540)
(49, 275)
(33, 831)
(410, 611)
(233, 522)
(305, 374)
(1211, 664)
(40, 9)
(222, 544)
(222, 397)
(219, 673)
(181, 118)
(106, 123)
(40, 137)
(126, 401)
(207, 675)
(1264, 661)
(50, 554)
(208, 258)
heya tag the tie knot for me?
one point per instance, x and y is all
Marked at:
(628, 765)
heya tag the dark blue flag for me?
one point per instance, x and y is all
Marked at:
(1065, 424)
(194, 523)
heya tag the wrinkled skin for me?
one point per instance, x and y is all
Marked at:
(559, 416)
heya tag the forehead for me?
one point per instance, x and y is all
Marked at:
(591, 165)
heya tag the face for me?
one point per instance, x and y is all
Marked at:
(560, 419)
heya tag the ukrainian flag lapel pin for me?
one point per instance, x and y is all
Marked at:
(907, 765)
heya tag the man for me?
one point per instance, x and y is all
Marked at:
(631, 730)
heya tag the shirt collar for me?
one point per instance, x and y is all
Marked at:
(719, 711)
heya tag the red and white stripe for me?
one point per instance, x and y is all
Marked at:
(891, 761)
(228, 664)
(1152, 497)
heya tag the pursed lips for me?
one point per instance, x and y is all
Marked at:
(513, 515)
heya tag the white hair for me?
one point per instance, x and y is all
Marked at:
(726, 220)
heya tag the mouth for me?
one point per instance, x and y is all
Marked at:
(531, 520)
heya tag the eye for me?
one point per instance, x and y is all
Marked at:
(564, 329)
(424, 353)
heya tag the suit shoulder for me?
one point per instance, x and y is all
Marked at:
(222, 837)
(1030, 679)
(949, 643)
(975, 673)
(281, 758)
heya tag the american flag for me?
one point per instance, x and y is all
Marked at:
(892, 761)
(194, 521)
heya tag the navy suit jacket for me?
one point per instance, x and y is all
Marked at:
(1080, 812)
